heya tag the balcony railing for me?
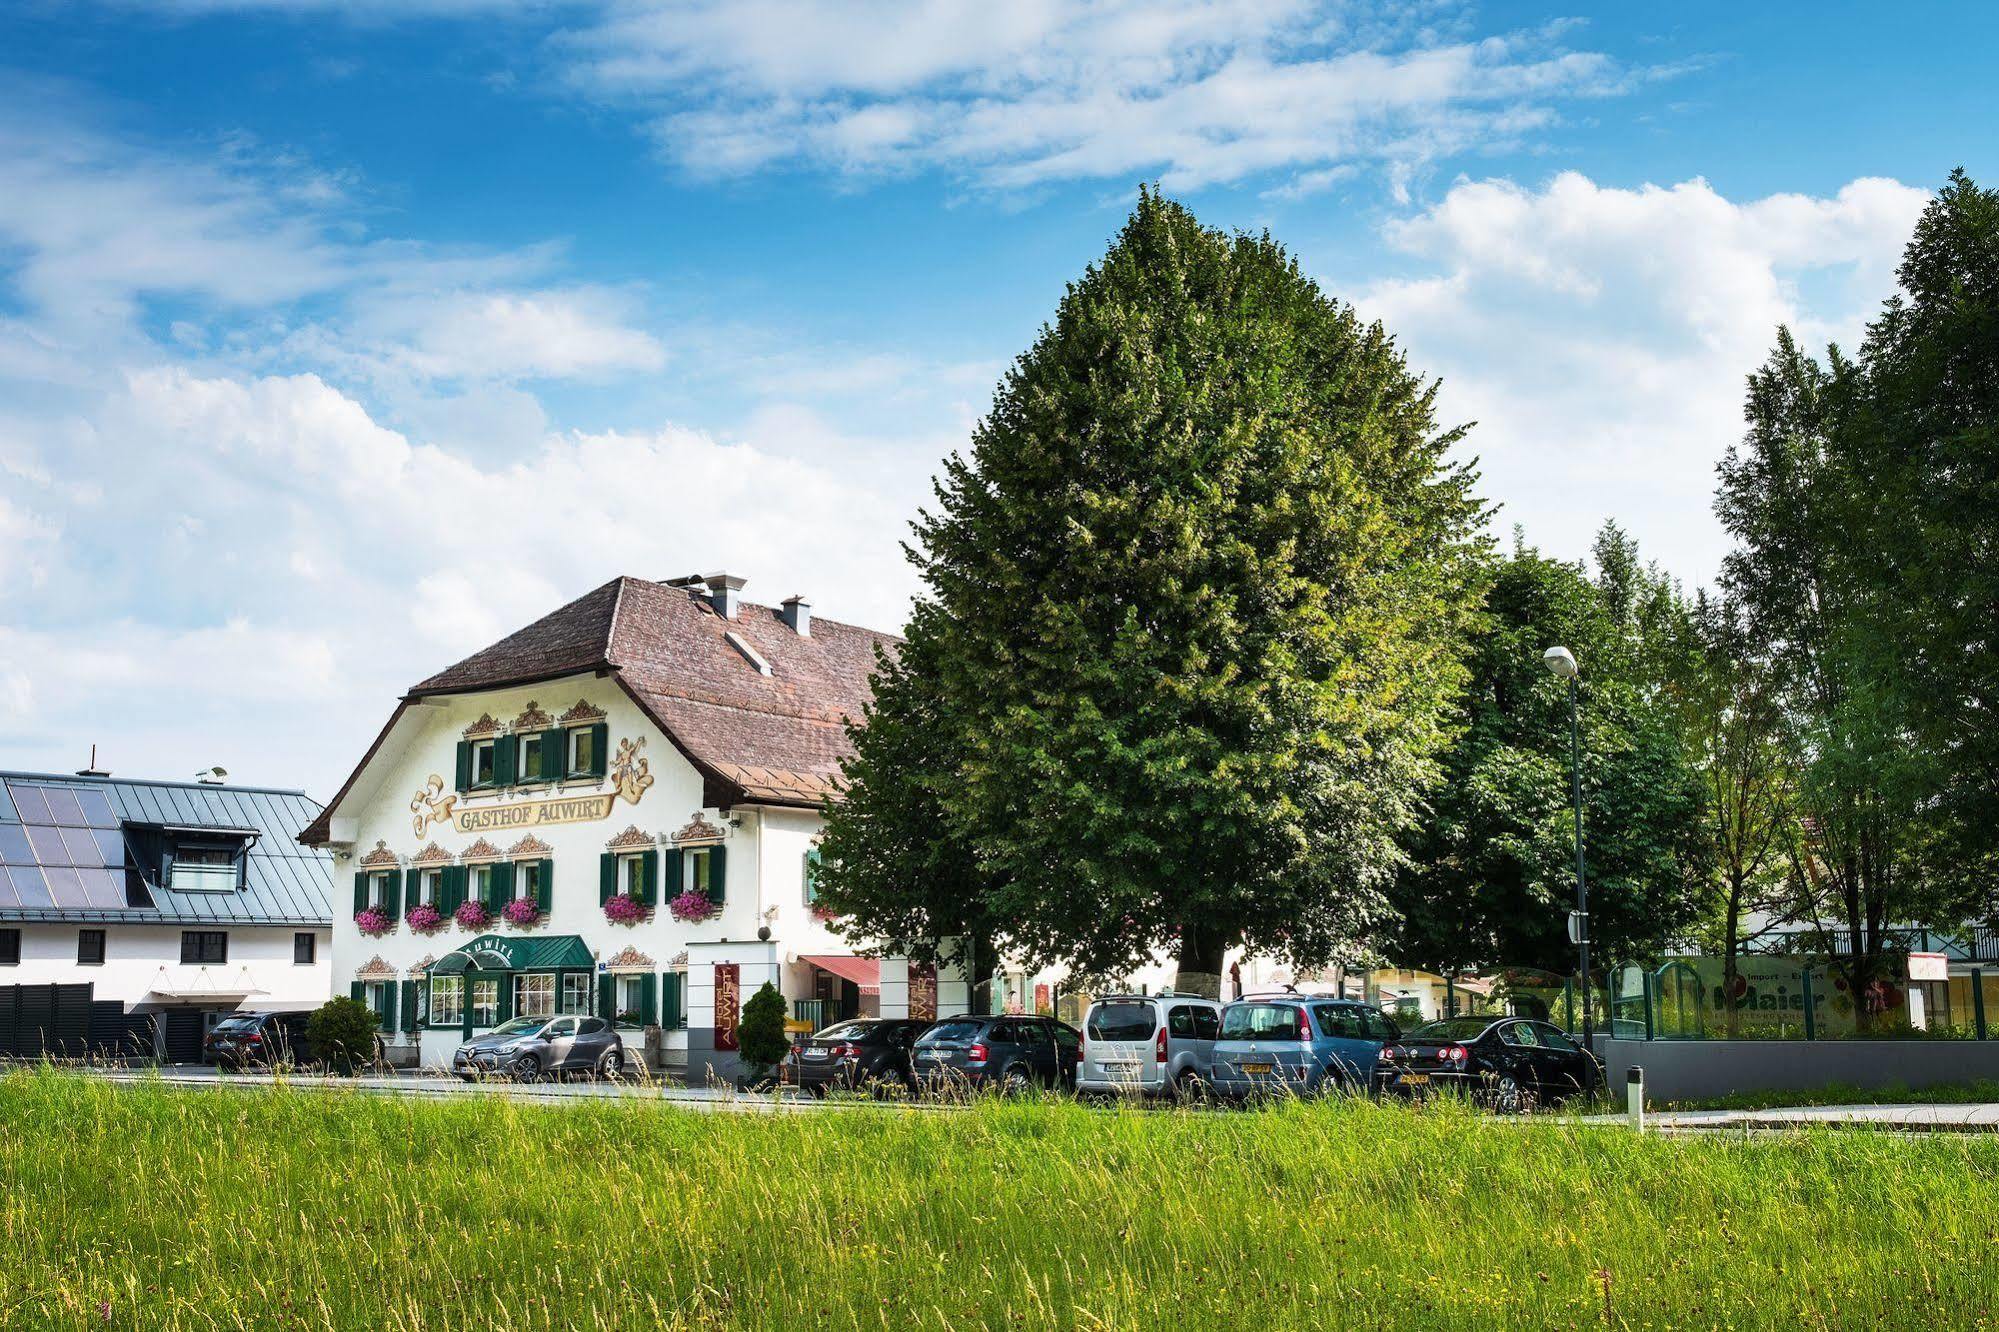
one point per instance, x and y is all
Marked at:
(816, 1013)
(1972, 943)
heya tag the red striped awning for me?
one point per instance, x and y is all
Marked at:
(865, 972)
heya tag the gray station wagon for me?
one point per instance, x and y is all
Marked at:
(1148, 1045)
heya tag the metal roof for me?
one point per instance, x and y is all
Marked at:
(284, 883)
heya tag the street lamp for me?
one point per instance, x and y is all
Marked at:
(1560, 661)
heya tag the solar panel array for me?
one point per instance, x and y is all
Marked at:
(67, 851)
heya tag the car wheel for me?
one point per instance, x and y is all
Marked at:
(1506, 1096)
(1192, 1089)
(527, 1068)
(611, 1065)
(1015, 1082)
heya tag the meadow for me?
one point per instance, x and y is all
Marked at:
(142, 1206)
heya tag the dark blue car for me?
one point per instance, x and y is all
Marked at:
(1298, 1044)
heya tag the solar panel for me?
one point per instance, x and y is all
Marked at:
(68, 851)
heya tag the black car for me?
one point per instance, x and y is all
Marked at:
(855, 1055)
(1508, 1063)
(274, 1040)
(1009, 1052)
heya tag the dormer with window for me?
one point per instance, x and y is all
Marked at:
(204, 860)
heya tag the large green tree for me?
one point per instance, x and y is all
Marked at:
(1196, 606)
(1490, 877)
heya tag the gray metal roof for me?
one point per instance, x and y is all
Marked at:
(285, 883)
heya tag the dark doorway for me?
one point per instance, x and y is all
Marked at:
(183, 1035)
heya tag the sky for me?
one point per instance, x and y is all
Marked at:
(338, 340)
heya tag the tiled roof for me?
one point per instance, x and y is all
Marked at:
(284, 883)
(768, 738)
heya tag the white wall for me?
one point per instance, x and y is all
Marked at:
(134, 956)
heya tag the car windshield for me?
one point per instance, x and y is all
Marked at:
(236, 1024)
(1121, 1022)
(946, 1032)
(519, 1027)
(1452, 1029)
(1260, 1022)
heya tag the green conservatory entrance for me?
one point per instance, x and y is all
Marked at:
(493, 978)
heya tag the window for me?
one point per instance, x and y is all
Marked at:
(485, 1002)
(482, 882)
(528, 764)
(1343, 1023)
(447, 1001)
(1555, 1039)
(1206, 1023)
(482, 763)
(1261, 1022)
(1180, 1020)
(593, 1026)
(534, 995)
(812, 876)
(10, 948)
(378, 890)
(562, 1027)
(1379, 1028)
(429, 885)
(202, 948)
(203, 867)
(576, 993)
(631, 998)
(582, 751)
(305, 948)
(527, 880)
(378, 993)
(700, 873)
(90, 948)
(632, 876)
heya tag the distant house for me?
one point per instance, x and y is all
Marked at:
(182, 899)
(615, 812)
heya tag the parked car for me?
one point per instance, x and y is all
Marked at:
(533, 1047)
(1509, 1063)
(274, 1040)
(1009, 1052)
(1148, 1045)
(861, 1053)
(1298, 1044)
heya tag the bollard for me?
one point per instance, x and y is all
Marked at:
(1634, 1096)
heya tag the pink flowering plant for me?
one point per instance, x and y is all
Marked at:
(823, 914)
(693, 905)
(521, 911)
(624, 909)
(472, 915)
(373, 921)
(425, 918)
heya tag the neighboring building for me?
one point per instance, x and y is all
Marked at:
(516, 838)
(187, 900)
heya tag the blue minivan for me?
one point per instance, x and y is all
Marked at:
(1299, 1044)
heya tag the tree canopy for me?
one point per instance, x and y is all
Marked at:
(1196, 610)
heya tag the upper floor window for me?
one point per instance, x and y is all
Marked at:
(583, 755)
(812, 876)
(204, 864)
(702, 872)
(305, 948)
(430, 887)
(482, 762)
(204, 947)
(90, 948)
(527, 880)
(10, 948)
(527, 762)
(378, 890)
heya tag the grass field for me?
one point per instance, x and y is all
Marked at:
(147, 1207)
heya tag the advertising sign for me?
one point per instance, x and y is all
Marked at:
(1929, 967)
(923, 991)
(728, 1004)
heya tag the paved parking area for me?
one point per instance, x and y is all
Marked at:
(1970, 1118)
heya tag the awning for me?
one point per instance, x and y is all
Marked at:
(865, 972)
(493, 952)
(203, 983)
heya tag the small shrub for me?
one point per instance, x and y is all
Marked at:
(342, 1033)
(761, 1033)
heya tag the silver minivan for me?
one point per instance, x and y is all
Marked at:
(1148, 1045)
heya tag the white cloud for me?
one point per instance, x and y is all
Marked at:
(1601, 337)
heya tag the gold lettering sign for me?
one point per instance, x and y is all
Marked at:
(533, 813)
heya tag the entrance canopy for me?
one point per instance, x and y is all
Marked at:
(862, 971)
(494, 952)
(193, 983)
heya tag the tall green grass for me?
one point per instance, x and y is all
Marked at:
(148, 1207)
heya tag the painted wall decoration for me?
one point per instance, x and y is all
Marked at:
(631, 771)
(728, 1004)
(431, 805)
(923, 991)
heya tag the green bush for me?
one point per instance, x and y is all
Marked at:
(342, 1033)
(762, 1037)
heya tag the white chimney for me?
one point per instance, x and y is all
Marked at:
(797, 613)
(724, 593)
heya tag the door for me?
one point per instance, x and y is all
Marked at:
(1068, 1051)
(1039, 1041)
(1515, 1055)
(1565, 1068)
(1345, 1030)
(183, 1035)
(561, 1037)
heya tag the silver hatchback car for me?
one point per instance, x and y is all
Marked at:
(1148, 1045)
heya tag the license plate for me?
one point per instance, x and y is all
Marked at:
(931, 1054)
(815, 1054)
(1254, 1068)
(1415, 1079)
(1120, 1068)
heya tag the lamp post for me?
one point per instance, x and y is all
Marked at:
(1560, 661)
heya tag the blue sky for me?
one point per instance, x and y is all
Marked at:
(338, 339)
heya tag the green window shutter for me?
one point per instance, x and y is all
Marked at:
(812, 876)
(648, 999)
(718, 874)
(505, 985)
(600, 736)
(649, 876)
(669, 869)
(409, 1005)
(544, 892)
(451, 889)
(607, 878)
(393, 901)
(504, 749)
(607, 997)
(554, 754)
(423, 1003)
(464, 765)
(671, 1012)
(358, 992)
(360, 893)
(388, 1013)
(499, 885)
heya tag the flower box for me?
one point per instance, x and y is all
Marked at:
(425, 919)
(693, 906)
(374, 921)
(472, 916)
(624, 909)
(522, 911)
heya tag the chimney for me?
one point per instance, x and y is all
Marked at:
(212, 776)
(93, 770)
(724, 593)
(797, 613)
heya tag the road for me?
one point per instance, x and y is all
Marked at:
(1907, 1118)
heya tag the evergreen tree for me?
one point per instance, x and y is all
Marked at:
(1195, 612)
(761, 1032)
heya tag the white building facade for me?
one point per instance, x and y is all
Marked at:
(614, 811)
